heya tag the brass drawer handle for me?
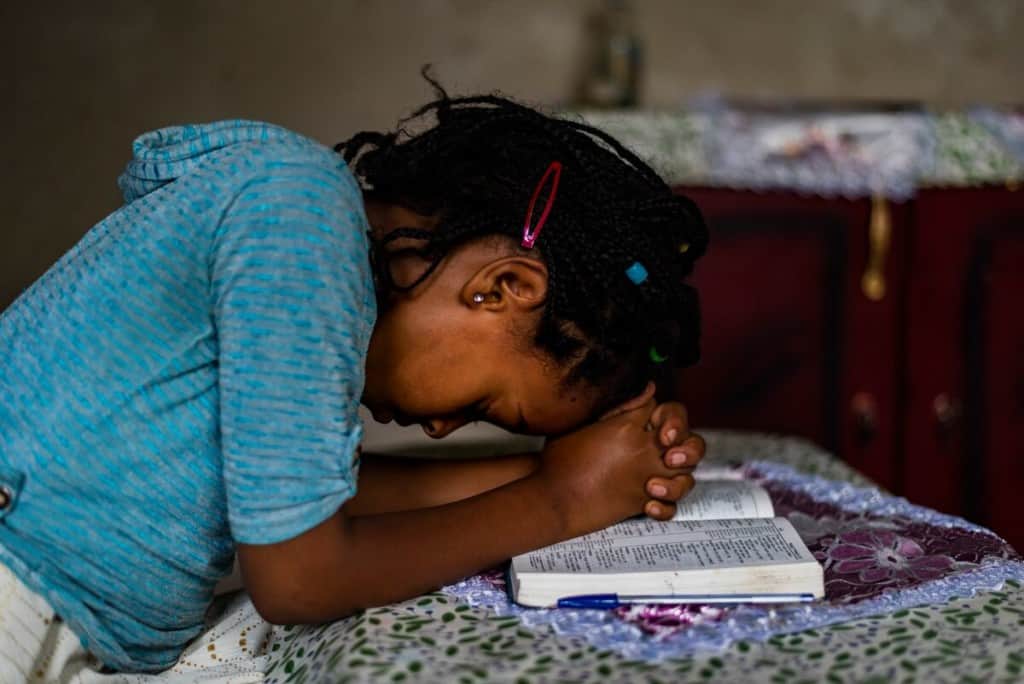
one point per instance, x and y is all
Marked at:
(872, 283)
(864, 408)
(948, 413)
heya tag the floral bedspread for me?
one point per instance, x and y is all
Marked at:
(911, 595)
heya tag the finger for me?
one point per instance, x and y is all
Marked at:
(636, 402)
(659, 510)
(687, 454)
(667, 411)
(672, 421)
(675, 428)
(670, 489)
(673, 472)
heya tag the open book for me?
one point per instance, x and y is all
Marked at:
(723, 545)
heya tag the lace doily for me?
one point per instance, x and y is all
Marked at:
(881, 554)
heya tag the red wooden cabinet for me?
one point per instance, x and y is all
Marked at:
(964, 440)
(915, 377)
(790, 342)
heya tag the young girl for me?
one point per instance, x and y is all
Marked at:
(183, 385)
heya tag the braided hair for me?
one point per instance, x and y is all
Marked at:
(476, 169)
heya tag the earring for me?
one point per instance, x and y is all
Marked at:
(479, 297)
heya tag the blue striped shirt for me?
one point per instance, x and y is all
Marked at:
(186, 377)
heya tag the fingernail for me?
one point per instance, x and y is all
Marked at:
(658, 490)
(671, 435)
(677, 458)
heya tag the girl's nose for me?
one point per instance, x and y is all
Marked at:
(442, 427)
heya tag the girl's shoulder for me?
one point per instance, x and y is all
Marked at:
(235, 149)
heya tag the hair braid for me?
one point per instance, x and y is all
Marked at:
(476, 168)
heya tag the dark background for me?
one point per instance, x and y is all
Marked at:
(86, 77)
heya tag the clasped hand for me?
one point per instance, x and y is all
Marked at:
(637, 458)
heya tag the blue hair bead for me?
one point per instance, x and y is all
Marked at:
(637, 273)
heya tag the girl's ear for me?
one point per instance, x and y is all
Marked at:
(510, 282)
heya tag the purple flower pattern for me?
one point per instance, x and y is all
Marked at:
(864, 555)
(881, 557)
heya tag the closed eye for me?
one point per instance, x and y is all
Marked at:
(477, 412)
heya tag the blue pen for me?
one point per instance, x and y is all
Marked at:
(606, 601)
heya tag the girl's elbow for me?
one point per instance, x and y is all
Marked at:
(299, 608)
(275, 613)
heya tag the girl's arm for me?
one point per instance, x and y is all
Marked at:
(347, 564)
(585, 481)
(388, 484)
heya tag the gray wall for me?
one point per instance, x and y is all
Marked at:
(89, 75)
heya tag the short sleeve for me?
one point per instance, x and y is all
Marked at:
(293, 310)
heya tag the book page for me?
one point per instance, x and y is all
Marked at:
(712, 499)
(709, 471)
(640, 546)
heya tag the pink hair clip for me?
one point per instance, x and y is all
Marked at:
(554, 171)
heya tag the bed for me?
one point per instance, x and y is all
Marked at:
(911, 595)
